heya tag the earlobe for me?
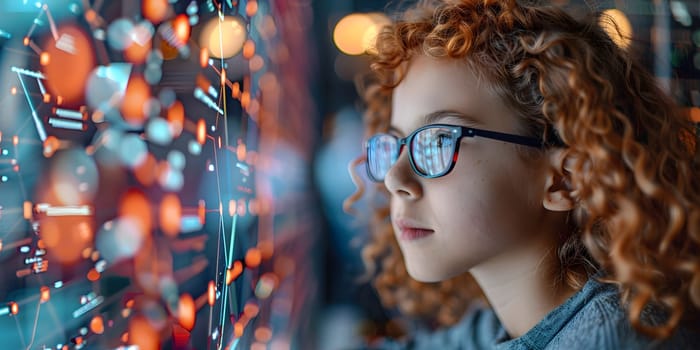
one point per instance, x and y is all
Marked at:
(559, 200)
(558, 192)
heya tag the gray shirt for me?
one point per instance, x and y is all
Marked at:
(591, 319)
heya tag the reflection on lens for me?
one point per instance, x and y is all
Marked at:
(432, 150)
(382, 151)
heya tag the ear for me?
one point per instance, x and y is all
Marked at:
(558, 192)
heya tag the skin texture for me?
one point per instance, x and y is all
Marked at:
(497, 214)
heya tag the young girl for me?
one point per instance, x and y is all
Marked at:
(529, 159)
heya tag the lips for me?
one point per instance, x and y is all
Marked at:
(409, 230)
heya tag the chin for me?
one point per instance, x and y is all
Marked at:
(427, 274)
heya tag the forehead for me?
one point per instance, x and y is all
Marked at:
(432, 84)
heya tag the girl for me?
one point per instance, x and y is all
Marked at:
(528, 159)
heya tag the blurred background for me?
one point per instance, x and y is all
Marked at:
(172, 171)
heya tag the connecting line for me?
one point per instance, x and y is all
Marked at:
(36, 322)
(226, 288)
(19, 330)
(37, 121)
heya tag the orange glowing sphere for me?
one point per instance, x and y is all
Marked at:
(45, 294)
(186, 311)
(154, 10)
(238, 329)
(51, 145)
(97, 325)
(67, 64)
(66, 237)
(145, 172)
(135, 97)
(135, 206)
(263, 334)
(176, 118)
(251, 8)
(93, 275)
(251, 310)
(233, 272)
(201, 131)
(253, 257)
(241, 151)
(211, 293)
(44, 58)
(142, 334)
(223, 37)
(203, 57)
(248, 49)
(137, 53)
(170, 215)
(201, 211)
(14, 308)
(181, 26)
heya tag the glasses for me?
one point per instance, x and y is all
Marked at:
(432, 149)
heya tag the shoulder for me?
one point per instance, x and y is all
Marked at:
(603, 324)
(477, 330)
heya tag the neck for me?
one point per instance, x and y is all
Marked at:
(522, 287)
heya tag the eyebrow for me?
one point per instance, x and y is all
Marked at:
(437, 116)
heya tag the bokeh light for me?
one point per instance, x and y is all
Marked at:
(72, 59)
(223, 38)
(356, 33)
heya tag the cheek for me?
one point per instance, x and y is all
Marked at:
(489, 201)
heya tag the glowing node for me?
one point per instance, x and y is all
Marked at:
(223, 38)
(201, 131)
(186, 311)
(211, 293)
(97, 325)
(155, 10)
(44, 294)
(248, 49)
(170, 215)
(253, 257)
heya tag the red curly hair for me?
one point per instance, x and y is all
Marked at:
(637, 213)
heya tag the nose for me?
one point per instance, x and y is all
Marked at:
(402, 181)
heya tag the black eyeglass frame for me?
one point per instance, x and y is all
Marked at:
(463, 132)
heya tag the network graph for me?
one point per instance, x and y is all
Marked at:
(151, 186)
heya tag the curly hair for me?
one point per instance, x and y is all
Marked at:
(637, 206)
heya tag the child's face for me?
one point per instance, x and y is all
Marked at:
(489, 205)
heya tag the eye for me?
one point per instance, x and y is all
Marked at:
(443, 140)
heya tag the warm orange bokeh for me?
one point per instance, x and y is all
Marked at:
(204, 57)
(68, 63)
(201, 211)
(97, 325)
(170, 215)
(248, 49)
(93, 275)
(142, 334)
(233, 272)
(211, 293)
(135, 206)
(45, 294)
(241, 151)
(201, 131)
(181, 27)
(135, 97)
(66, 237)
(253, 257)
(154, 10)
(186, 311)
(137, 53)
(146, 171)
(263, 334)
(176, 118)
